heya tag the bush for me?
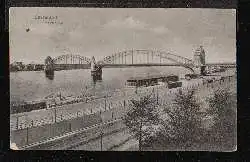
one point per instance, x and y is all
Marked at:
(184, 120)
(222, 105)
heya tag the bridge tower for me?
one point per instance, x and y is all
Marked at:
(199, 60)
(93, 64)
(49, 66)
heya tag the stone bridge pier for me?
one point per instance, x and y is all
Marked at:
(199, 61)
(49, 66)
(96, 70)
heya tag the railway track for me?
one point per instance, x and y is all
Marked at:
(80, 136)
(95, 137)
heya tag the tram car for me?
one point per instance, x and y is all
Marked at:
(191, 76)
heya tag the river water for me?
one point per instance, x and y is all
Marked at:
(34, 85)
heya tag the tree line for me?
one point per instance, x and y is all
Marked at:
(180, 125)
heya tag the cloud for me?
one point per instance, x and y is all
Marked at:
(132, 23)
(160, 30)
(129, 22)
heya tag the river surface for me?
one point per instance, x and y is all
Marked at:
(34, 85)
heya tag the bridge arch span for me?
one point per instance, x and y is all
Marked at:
(129, 57)
(71, 59)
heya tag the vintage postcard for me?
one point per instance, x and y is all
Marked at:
(123, 79)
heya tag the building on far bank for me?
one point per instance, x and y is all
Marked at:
(17, 66)
(29, 67)
(38, 67)
(34, 67)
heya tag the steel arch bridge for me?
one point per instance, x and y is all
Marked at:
(71, 59)
(147, 58)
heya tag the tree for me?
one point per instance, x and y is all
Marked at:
(220, 103)
(183, 121)
(142, 119)
(222, 106)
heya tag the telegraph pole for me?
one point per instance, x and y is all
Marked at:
(55, 114)
(105, 105)
(17, 121)
(101, 138)
(27, 132)
(124, 103)
(27, 135)
(157, 96)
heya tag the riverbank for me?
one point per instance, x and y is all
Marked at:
(112, 104)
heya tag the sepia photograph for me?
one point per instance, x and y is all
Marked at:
(123, 79)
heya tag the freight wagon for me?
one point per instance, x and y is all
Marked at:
(27, 107)
(174, 84)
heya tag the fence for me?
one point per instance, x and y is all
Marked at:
(37, 130)
(79, 137)
(35, 134)
(108, 110)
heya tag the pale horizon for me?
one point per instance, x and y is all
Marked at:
(102, 32)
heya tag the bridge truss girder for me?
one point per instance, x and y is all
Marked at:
(71, 59)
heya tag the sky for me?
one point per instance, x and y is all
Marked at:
(102, 32)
